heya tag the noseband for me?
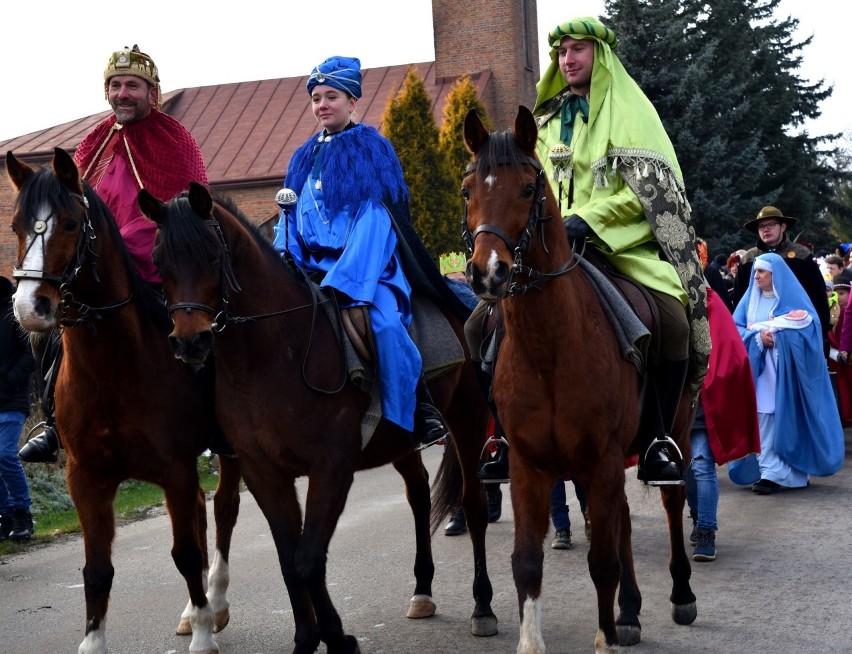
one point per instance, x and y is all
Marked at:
(83, 248)
(536, 217)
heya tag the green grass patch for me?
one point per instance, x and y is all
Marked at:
(54, 513)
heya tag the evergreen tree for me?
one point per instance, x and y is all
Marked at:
(461, 98)
(410, 126)
(723, 77)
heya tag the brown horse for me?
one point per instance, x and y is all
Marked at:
(288, 409)
(124, 407)
(565, 395)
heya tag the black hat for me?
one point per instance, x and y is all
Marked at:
(843, 279)
(768, 212)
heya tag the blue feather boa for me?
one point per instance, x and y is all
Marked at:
(358, 164)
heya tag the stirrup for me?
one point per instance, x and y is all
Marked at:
(667, 440)
(484, 459)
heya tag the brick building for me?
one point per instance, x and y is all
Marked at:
(248, 131)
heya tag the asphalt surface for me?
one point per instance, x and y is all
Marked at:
(780, 582)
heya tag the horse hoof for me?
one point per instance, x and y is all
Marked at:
(483, 626)
(184, 628)
(349, 646)
(420, 606)
(684, 613)
(628, 634)
(601, 646)
(221, 621)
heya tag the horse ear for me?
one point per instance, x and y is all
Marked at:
(200, 200)
(526, 130)
(475, 133)
(66, 171)
(18, 171)
(151, 206)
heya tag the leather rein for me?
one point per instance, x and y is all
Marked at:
(83, 250)
(536, 216)
(222, 317)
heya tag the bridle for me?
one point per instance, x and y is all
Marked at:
(222, 317)
(83, 249)
(536, 217)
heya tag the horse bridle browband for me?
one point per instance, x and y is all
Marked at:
(84, 247)
(536, 216)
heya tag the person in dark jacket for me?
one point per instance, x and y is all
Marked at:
(719, 279)
(771, 227)
(16, 369)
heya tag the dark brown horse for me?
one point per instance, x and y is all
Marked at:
(288, 409)
(566, 397)
(124, 407)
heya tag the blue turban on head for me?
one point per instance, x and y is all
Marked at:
(342, 73)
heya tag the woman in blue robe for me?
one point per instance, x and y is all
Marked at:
(800, 430)
(345, 177)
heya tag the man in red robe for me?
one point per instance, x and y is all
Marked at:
(137, 147)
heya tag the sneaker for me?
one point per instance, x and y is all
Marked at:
(766, 487)
(22, 525)
(561, 540)
(693, 537)
(495, 501)
(705, 547)
(457, 525)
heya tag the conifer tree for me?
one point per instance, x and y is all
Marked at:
(461, 98)
(410, 126)
(724, 78)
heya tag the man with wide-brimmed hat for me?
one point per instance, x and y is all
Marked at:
(137, 147)
(771, 227)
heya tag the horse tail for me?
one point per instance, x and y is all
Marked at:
(447, 488)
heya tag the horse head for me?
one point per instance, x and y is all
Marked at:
(54, 236)
(191, 256)
(507, 201)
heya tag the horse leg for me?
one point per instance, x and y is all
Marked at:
(185, 503)
(469, 428)
(327, 492)
(417, 492)
(226, 506)
(483, 622)
(276, 496)
(684, 608)
(531, 504)
(607, 512)
(627, 624)
(93, 497)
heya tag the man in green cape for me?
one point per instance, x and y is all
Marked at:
(618, 184)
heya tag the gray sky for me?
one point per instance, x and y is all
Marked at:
(63, 47)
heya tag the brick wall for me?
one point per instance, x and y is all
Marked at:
(500, 35)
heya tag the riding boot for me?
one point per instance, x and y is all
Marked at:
(495, 466)
(657, 466)
(43, 448)
(428, 422)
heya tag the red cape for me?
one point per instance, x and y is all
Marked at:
(164, 153)
(730, 407)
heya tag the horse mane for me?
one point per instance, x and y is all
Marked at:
(44, 186)
(185, 233)
(499, 149)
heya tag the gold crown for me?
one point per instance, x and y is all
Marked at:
(452, 262)
(130, 61)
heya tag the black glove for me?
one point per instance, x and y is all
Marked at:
(577, 229)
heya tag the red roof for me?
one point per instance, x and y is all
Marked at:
(248, 131)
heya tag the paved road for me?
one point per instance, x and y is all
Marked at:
(780, 582)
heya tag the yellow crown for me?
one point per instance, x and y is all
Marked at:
(130, 61)
(452, 262)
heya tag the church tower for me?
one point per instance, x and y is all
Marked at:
(499, 36)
